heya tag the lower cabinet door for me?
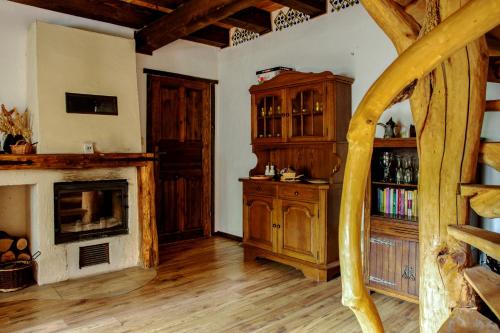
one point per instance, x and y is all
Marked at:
(393, 264)
(298, 230)
(258, 220)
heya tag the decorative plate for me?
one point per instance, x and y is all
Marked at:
(261, 177)
(316, 181)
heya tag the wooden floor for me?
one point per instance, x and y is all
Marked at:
(205, 286)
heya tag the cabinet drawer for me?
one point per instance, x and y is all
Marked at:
(259, 189)
(299, 193)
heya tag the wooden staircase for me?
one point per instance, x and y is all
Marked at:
(485, 201)
(447, 122)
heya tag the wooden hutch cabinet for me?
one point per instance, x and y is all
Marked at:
(391, 252)
(298, 120)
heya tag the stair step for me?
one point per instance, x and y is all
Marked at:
(467, 321)
(487, 285)
(484, 240)
(493, 105)
(72, 212)
(489, 154)
(484, 199)
(73, 200)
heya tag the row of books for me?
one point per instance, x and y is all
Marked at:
(397, 201)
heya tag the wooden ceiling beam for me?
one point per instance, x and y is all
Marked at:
(192, 16)
(110, 11)
(211, 35)
(172, 4)
(309, 7)
(251, 18)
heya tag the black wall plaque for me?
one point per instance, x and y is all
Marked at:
(91, 104)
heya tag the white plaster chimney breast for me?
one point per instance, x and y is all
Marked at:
(62, 59)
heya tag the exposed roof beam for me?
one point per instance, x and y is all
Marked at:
(309, 7)
(149, 4)
(111, 11)
(172, 4)
(252, 18)
(185, 20)
(211, 35)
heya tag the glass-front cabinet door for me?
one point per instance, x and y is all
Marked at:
(307, 120)
(269, 117)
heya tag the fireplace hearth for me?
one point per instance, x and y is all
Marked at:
(90, 210)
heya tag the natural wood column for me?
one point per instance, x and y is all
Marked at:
(448, 107)
(147, 215)
(436, 45)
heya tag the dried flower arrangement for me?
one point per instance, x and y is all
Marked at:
(14, 123)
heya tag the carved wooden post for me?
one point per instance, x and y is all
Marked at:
(147, 215)
(433, 49)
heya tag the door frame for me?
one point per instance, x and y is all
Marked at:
(149, 148)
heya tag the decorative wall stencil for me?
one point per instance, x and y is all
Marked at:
(290, 18)
(242, 36)
(337, 5)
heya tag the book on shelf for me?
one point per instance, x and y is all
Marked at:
(397, 201)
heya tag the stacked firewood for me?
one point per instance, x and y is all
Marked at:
(13, 248)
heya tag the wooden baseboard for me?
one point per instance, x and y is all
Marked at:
(228, 236)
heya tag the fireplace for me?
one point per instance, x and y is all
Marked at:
(90, 210)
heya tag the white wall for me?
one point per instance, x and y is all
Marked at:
(347, 43)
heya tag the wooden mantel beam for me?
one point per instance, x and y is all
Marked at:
(185, 20)
(309, 7)
(110, 11)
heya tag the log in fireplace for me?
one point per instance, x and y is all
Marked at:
(90, 210)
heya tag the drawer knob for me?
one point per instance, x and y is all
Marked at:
(296, 193)
(274, 225)
(278, 226)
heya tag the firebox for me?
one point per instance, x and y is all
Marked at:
(90, 209)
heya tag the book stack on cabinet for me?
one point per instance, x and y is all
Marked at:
(391, 252)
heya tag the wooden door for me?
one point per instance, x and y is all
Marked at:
(298, 230)
(180, 133)
(259, 222)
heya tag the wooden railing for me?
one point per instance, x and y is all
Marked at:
(467, 24)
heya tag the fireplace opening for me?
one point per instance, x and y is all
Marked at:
(90, 210)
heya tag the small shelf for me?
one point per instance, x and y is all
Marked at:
(271, 117)
(395, 143)
(394, 184)
(395, 218)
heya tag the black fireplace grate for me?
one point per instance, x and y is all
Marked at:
(94, 255)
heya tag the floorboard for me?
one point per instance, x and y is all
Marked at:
(205, 286)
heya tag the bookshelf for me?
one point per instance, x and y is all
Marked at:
(391, 220)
